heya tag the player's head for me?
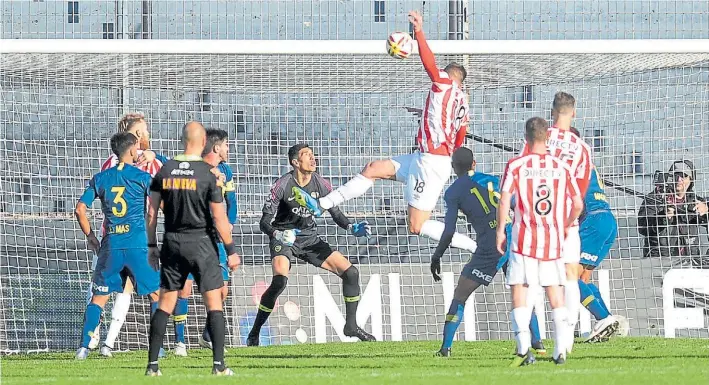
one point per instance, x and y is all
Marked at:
(463, 161)
(124, 144)
(563, 105)
(194, 138)
(136, 124)
(217, 144)
(535, 130)
(302, 158)
(456, 72)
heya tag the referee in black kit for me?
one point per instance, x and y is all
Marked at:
(189, 192)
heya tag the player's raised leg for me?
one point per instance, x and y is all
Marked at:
(341, 266)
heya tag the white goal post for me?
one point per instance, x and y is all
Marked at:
(641, 105)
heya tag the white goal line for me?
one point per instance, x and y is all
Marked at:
(350, 47)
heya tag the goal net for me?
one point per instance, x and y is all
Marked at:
(61, 101)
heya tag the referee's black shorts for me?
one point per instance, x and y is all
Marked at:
(182, 254)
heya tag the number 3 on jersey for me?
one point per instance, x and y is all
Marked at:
(542, 204)
(119, 203)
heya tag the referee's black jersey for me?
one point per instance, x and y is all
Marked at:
(187, 186)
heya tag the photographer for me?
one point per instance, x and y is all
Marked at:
(670, 216)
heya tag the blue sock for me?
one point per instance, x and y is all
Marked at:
(534, 328)
(597, 294)
(91, 319)
(180, 317)
(592, 301)
(453, 320)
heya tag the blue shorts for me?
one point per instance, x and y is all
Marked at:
(222, 263)
(107, 277)
(597, 231)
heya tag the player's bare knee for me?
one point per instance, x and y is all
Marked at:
(281, 265)
(379, 169)
(336, 263)
(586, 275)
(99, 300)
(415, 227)
(213, 300)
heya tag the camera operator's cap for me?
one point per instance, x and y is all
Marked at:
(685, 167)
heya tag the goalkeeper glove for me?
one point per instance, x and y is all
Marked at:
(361, 229)
(436, 267)
(286, 237)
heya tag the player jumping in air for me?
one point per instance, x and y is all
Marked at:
(426, 171)
(293, 234)
(123, 190)
(148, 161)
(567, 146)
(542, 186)
(598, 229)
(479, 204)
(216, 153)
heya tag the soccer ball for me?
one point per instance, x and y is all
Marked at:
(400, 45)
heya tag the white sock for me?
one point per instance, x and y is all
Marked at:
(434, 230)
(354, 188)
(118, 317)
(520, 317)
(572, 301)
(561, 322)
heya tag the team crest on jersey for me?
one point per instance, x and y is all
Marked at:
(277, 248)
(184, 165)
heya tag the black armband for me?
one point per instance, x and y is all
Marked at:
(230, 248)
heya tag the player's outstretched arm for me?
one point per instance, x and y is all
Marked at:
(427, 57)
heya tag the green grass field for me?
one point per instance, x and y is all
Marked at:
(641, 361)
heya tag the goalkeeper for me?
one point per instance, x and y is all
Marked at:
(478, 201)
(293, 234)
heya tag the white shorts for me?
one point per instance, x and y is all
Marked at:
(534, 272)
(425, 176)
(571, 251)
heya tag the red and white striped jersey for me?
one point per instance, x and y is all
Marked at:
(568, 147)
(542, 185)
(445, 117)
(151, 168)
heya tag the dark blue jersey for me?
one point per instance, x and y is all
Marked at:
(595, 199)
(123, 191)
(479, 204)
(229, 191)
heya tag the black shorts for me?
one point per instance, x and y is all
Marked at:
(308, 248)
(182, 254)
(481, 268)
